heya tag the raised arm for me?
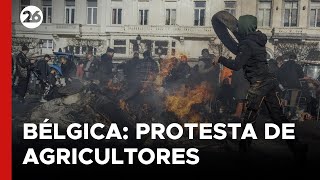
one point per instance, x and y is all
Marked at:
(241, 58)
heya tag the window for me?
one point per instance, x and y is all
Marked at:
(161, 47)
(199, 13)
(264, 13)
(92, 11)
(230, 6)
(120, 46)
(173, 48)
(143, 17)
(171, 16)
(70, 11)
(80, 49)
(23, 4)
(47, 43)
(47, 11)
(315, 14)
(116, 16)
(290, 14)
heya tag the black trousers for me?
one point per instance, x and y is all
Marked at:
(264, 92)
(22, 86)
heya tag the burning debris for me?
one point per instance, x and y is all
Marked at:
(182, 103)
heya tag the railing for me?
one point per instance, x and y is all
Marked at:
(66, 26)
(290, 31)
(49, 29)
(199, 31)
(163, 30)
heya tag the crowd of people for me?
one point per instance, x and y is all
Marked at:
(230, 92)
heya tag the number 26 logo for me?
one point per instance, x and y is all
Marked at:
(31, 17)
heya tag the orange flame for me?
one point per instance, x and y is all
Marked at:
(182, 101)
(123, 105)
(165, 67)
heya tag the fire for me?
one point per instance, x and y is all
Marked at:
(123, 105)
(194, 117)
(165, 67)
(182, 101)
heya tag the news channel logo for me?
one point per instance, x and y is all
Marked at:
(31, 17)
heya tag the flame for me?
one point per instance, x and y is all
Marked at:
(194, 117)
(182, 101)
(123, 105)
(165, 68)
(226, 73)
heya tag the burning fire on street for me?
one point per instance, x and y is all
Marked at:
(181, 103)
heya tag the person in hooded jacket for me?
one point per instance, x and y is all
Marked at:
(252, 58)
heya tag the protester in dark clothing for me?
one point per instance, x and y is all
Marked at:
(263, 85)
(91, 67)
(44, 70)
(52, 91)
(146, 71)
(68, 69)
(23, 70)
(147, 68)
(130, 67)
(289, 77)
(52, 77)
(273, 67)
(208, 72)
(280, 61)
(290, 73)
(241, 86)
(226, 92)
(105, 69)
(195, 76)
(179, 73)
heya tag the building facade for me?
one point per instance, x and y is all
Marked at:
(171, 27)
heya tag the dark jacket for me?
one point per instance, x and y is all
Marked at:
(252, 57)
(240, 85)
(273, 66)
(106, 65)
(68, 69)
(179, 73)
(130, 68)
(289, 74)
(207, 73)
(51, 79)
(146, 68)
(23, 66)
(44, 69)
(91, 72)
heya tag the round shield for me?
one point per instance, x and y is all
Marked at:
(223, 21)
